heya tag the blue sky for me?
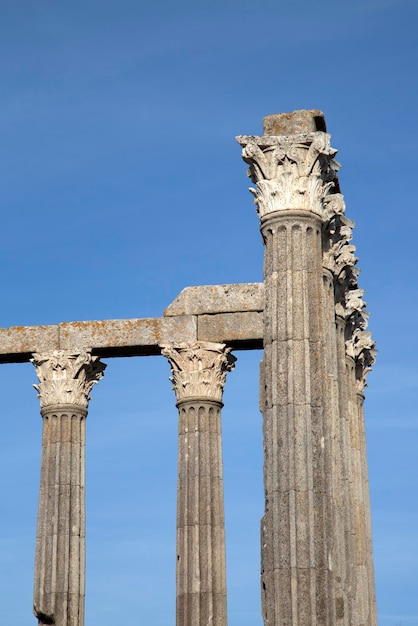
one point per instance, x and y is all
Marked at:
(120, 184)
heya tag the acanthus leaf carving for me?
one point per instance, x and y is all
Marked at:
(339, 257)
(198, 369)
(354, 301)
(337, 232)
(334, 206)
(290, 174)
(364, 356)
(66, 377)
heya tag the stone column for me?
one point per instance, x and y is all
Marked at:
(65, 381)
(332, 409)
(199, 373)
(360, 355)
(364, 357)
(356, 356)
(347, 536)
(293, 168)
(339, 259)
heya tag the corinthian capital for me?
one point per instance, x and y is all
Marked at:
(290, 171)
(66, 377)
(199, 369)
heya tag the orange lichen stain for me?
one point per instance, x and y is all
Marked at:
(156, 329)
(75, 324)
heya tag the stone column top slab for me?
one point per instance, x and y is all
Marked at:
(294, 123)
(212, 299)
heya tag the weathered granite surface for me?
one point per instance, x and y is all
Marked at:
(294, 123)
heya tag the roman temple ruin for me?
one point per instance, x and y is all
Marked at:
(309, 318)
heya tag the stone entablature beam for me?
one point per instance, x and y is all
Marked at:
(231, 314)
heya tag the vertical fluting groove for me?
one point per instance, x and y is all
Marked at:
(362, 588)
(337, 555)
(322, 459)
(357, 610)
(346, 476)
(372, 616)
(201, 566)
(364, 600)
(308, 247)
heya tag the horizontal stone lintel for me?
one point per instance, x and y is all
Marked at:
(230, 314)
(134, 337)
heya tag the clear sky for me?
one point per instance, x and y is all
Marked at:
(120, 184)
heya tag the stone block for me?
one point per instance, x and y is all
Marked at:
(294, 123)
(17, 342)
(210, 299)
(127, 337)
(232, 328)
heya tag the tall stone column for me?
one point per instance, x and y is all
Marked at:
(65, 381)
(198, 376)
(339, 259)
(293, 168)
(364, 357)
(359, 356)
(332, 409)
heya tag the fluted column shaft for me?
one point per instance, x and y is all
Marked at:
(297, 533)
(356, 354)
(65, 381)
(346, 480)
(199, 373)
(335, 410)
(360, 356)
(201, 567)
(368, 541)
(360, 507)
